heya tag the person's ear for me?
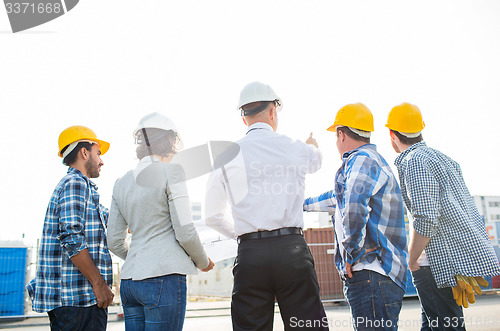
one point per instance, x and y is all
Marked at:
(340, 135)
(393, 136)
(85, 153)
(272, 112)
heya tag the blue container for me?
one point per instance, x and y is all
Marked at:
(12, 280)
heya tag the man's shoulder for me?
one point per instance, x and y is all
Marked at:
(420, 154)
(365, 155)
(71, 181)
(276, 139)
(361, 162)
(428, 158)
(125, 178)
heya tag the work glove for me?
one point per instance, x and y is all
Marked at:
(463, 293)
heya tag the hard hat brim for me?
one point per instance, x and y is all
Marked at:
(104, 146)
(333, 127)
(408, 131)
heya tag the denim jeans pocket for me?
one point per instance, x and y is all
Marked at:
(359, 278)
(392, 295)
(420, 270)
(181, 288)
(124, 288)
(66, 318)
(422, 278)
(148, 291)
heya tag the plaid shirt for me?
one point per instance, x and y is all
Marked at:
(367, 200)
(74, 221)
(435, 194)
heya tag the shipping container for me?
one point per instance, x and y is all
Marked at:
(321, 244)
(13, 266)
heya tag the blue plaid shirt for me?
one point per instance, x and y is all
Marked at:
(74, 221)
(367, 200)
(435, 194)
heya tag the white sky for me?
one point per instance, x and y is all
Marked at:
(105, 64)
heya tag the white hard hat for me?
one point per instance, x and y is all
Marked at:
(257, 91)
(158, 121)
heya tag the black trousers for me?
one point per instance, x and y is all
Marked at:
(280, 268)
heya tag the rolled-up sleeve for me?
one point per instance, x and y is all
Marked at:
(325, 202)
(423, 192)
(72, 205)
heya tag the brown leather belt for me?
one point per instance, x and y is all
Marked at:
(267, 234)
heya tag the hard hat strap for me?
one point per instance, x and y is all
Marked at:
(147, 141)
(254, 110)
(364, 134)
(257, 109)
(73, 145)
(411, 135)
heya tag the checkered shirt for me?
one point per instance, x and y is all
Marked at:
(74, 221)
(435, 194)
(367, 200)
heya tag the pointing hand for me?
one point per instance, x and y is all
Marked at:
(311, 140)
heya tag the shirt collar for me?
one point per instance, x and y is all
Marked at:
(407, 151)
(79, 173)
(352, 151)
(260, 125)
(144, 163)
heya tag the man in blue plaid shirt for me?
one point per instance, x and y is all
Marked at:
(448, 236)
(371, 248)
(74, 272)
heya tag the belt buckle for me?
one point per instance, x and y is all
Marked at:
(265, 234)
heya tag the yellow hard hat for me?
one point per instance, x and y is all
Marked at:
(405, 118)
(355, 115)
(77, 133)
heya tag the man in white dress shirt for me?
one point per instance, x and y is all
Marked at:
(264, 186)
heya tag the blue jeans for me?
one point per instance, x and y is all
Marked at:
(375, 300)
(90, 318)
(439, 309)
(157, 303)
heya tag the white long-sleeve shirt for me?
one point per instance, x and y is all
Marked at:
(264, 185)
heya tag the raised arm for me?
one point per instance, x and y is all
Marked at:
(324, 202)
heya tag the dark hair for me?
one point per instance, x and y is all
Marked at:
(161, 142)
(408, 141)
(352, 135)
(254, 108)
(71, 157)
